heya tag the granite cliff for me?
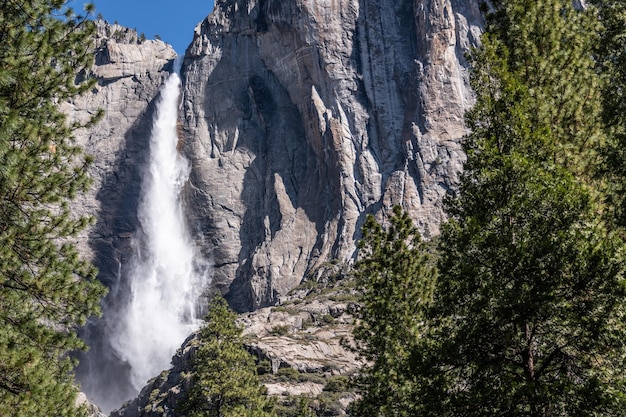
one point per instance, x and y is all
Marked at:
(301, 117)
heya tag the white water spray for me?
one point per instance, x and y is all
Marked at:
(164, 283)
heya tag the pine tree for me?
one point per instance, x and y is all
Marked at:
(46, 290)
(612, 65)
(395, 279)
(304, 410)
(224, 380)
(529, 304)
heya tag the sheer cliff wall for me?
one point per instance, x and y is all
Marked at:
(301, 117)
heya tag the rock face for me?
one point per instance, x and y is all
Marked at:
(129, 72)
(301, 117)
(300, 345)
(91, 409)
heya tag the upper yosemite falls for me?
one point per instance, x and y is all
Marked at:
(294, 119)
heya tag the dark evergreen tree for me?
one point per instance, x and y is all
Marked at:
(46, 290)
(304, 410)
(611, 56)
(528, 311)
(395, 280)
(224, 380)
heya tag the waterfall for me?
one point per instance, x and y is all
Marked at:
(154, 300)
(164, 284)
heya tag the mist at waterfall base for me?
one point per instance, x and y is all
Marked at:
(159, 291)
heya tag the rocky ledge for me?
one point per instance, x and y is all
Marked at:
(302, 351)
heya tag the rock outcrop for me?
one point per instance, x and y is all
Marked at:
(299, 347)
(130, 72)
(91, 409)
(301, 117)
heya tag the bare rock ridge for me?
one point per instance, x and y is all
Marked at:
(301, 117)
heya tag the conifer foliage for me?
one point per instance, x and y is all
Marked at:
(225, 381)
(396, 280)
(611, 56)
(46, 290)
(528, 311)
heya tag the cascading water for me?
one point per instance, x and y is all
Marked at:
(164, 285)
(154, 305)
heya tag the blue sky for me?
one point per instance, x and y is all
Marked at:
(173, 20)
